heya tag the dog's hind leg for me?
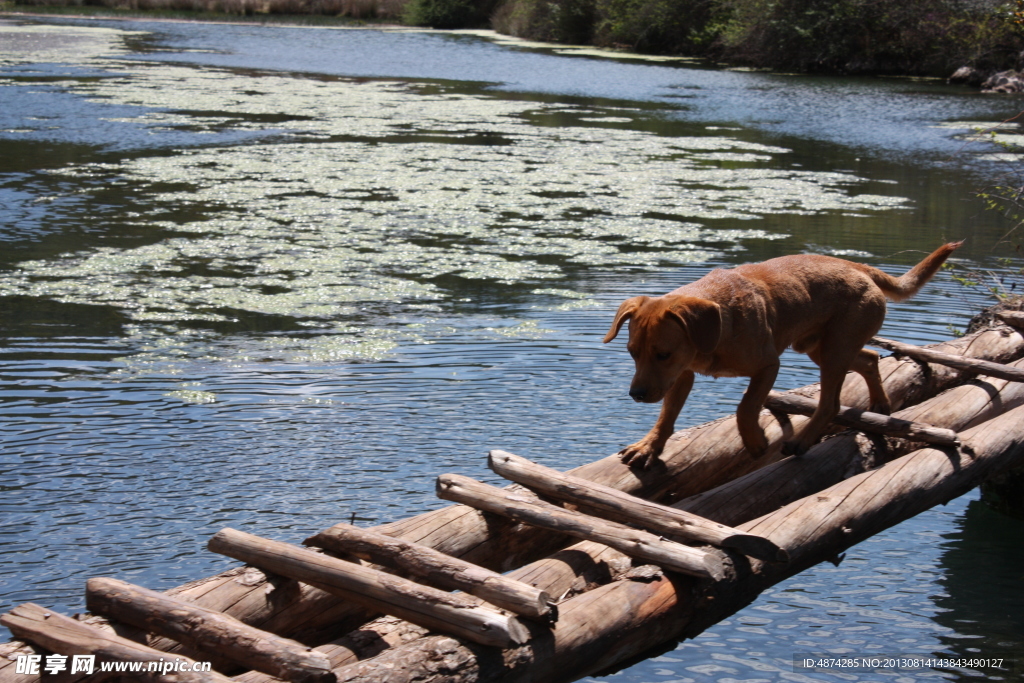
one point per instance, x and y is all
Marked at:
(866, 365)
(833, 362)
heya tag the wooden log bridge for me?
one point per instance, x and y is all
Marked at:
(658, 555)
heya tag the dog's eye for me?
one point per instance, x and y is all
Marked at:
(663, 356)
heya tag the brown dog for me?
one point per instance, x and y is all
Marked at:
(736, 323)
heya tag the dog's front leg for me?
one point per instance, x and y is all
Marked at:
(643, 452)
(750, 407)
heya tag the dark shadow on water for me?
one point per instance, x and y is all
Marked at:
(984, 600)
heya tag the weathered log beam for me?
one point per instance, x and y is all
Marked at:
(437, 568)
(528, 509)
(63, 635)
(373, 589)
(636, 616)
(866, 421)
(982, 367)
(567, 571)
(206, 629)
(608, 503)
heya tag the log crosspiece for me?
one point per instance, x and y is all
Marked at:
(63, 635)
(206, 630)
(435, 567)
(529, 509)
(865, 421)
(373, 589)
(612, 504)
(982, 367)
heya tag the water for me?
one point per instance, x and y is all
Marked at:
(274, 277)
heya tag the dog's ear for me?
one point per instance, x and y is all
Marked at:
(625, 312)
(702, 320)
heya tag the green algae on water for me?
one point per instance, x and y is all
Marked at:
(366, 199)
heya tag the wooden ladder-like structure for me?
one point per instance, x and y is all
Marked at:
(491, 609)
(490, 612)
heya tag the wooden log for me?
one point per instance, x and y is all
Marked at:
(1014, 318)
(531, 510)
(865, 420)
(981, 367)
(63, 635)
(620, 621)
(695, 459)
(566, 571)
(437, 568)
(612, 504)
(373, 589)
(206, 629)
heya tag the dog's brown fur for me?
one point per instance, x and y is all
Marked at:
(737, 322)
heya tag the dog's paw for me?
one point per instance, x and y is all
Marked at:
(756, 444)
(881, 408)
(640, 455)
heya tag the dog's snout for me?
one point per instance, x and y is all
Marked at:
(638, 394)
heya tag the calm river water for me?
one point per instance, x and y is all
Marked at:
(274, 277)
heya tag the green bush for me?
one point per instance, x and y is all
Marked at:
(873, 36)
(556, 21)
(656, 26)
(447, 13)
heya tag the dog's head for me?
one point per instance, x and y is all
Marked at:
(665, 334)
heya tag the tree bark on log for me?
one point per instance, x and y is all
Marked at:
(63, 635)
(528, 509)
(373, 589)
(622, 620)
(982, 367)
(437, 568)
(694, 460)
(865, 421)
(608, 503)
(1013, 318)
(206, 630)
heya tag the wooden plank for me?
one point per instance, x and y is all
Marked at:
(608, 503)
(982, 367)
(437, 568)
(63, 635)
(531, 510)
(866, 421)
(206, 629)
(373, 589)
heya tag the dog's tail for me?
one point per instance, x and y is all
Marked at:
(907, 285)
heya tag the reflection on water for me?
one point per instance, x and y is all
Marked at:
(270, 278)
